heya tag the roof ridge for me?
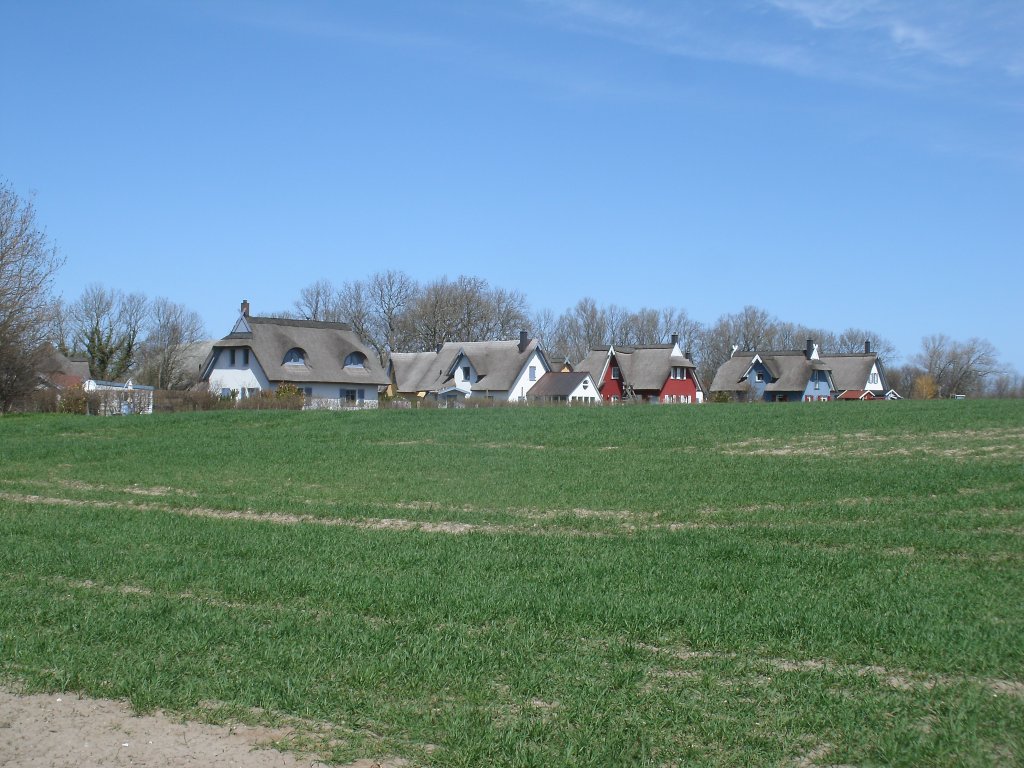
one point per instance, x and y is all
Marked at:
(296, 323)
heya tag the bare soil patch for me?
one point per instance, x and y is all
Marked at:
(68, 731)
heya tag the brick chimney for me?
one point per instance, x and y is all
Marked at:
(245, 308)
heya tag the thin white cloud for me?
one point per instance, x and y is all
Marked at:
(946, 32)
(901, 42)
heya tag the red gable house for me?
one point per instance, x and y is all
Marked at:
(657, 373)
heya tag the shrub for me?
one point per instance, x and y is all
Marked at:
(74, 400)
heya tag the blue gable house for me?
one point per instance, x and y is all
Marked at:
(790, 376)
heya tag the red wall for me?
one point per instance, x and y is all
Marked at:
(680, 387)
(611, 387)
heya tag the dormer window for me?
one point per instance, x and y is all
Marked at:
(465, 372)
(759, 376)
(355, 360)
(295, 356)
(616, 374)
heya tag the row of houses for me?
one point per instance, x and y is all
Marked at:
(334, 369)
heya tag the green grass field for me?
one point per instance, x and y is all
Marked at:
(833, 584)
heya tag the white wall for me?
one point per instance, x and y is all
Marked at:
(874, 385)
(238, 377)
(589, 393)
(522, 384)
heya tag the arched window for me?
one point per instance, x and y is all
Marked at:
(295, 356)
(355, 360)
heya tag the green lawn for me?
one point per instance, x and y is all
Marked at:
(796, 585)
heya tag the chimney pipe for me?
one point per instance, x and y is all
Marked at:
(245, 308)
(688, 355)
(867, 347)
(523, 340)
(810, 348)
(675, 338)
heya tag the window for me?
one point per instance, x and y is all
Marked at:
(353, 396)
(616, 373)
(465, 372)
(873, 378)
(533, 373)
(678, 372)
(231, 356)
(759, 376)
(355, 360)
(295, 356)
(245, 357)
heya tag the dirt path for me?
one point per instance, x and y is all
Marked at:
(67, 731)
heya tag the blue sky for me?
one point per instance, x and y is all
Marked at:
(839, 163)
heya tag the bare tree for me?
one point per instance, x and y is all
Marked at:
(429, 320)
(318, 301)
(352, 306)
(852, 341)
(28, 264)
(1009, 383)
(464, 309)
(542, 323)
(582, 328)
(173, 330)
(107, 325)
(957, 367)
(390, 294)
(749, 330)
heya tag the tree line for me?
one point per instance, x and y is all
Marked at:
(392, 312)
(154, 340)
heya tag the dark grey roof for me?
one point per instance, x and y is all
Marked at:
(649, 367)
(409, 369)
(790, 371)
(852, 371)
(645, 367)
(594, 363)
(54, 365)
(497, 364)
(729, 376)
(194, 355)
(326, 345)
(558, 384)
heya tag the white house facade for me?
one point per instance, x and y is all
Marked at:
(324, 361)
